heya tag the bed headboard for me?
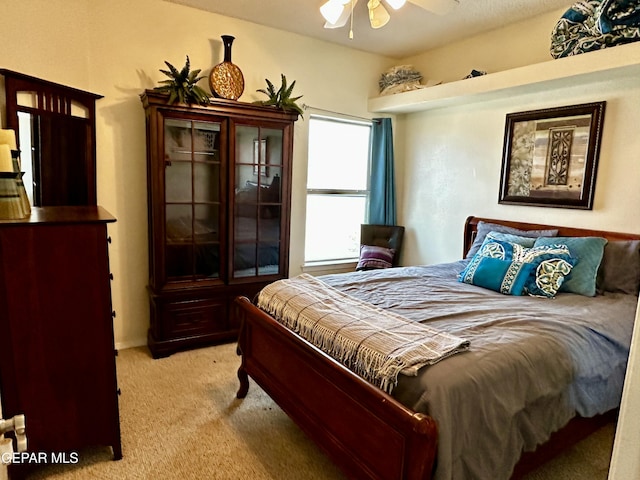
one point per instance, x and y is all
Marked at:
(471, 226)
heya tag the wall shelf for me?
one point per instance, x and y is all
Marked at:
(615, 62)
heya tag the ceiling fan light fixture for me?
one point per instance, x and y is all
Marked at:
(344, 16)
(378, 15)
(333, 10)
(396, 4)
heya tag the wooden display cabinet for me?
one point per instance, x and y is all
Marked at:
(219, 189)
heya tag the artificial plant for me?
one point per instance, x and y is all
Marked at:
(280, 98)
(181, 85)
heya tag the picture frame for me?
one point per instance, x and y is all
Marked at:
(550, 156)
(260, 159)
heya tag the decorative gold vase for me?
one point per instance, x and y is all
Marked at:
(226, 80)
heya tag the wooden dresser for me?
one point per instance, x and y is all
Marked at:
(57, 357)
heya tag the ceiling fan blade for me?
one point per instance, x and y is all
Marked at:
(378, 15)
(439, 7)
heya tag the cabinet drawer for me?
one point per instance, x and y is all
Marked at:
(181, 319)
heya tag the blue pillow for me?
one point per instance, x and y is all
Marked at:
(550, 264)
(483, 228)
(509, 237)
(501, 276)
(588, 251)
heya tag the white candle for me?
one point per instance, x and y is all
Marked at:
(6, 163)
(8, 137)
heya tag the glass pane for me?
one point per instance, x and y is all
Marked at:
(273, 146)
(179, 260)
(206, 230)
(179, 226)
(244, 260)
(177, 183)
(268, 258)
(245, 136)
(26, 129)
(272, 185)
(333, 226)
(179, 249)
(246, 226)
(246, 184)
(269, 228)
(207, 261)
(206, 182)
(336, 146)
(206, 227)
(177, 139)
(206, 138)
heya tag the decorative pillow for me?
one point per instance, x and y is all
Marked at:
(509, 237)
(501, 276)
(549, 264)
(375, 257)
(619, 270)
(588, 251)
(551, 270)
(484, 228)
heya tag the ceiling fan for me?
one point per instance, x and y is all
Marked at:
(337, 12)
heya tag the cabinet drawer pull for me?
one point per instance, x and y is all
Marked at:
(111, 276)
(113, 313)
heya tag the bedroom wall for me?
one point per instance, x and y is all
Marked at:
(115, 48)
(451, 157)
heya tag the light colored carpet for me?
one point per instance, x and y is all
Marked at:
(180, 420)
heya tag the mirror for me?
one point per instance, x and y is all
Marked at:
(55, 127)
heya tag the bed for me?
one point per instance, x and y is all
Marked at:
(438, 424)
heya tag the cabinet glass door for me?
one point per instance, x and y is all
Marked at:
(192, 199)
(257, 201)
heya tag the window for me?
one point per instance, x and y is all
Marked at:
(337, 188)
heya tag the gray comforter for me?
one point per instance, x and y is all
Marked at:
(533, 363)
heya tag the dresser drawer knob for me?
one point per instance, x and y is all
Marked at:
(113, 313)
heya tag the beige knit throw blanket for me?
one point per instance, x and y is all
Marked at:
(374, 343)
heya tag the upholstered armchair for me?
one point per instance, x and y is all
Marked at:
(386, 243)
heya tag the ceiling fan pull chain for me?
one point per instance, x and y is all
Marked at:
(351, 25)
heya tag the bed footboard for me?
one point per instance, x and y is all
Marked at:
(365, 431)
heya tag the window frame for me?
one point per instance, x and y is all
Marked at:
(337, 118)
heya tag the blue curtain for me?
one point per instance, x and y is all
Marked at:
(382, 197)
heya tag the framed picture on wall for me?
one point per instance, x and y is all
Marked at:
(550, 156)
(260, 157)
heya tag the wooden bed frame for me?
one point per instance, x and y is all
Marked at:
(365, 431)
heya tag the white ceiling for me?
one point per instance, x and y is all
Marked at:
(410, 31)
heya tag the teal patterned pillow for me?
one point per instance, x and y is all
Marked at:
(501, 276)
(511, 238)
(551, 269)
(588, 251)
(550, 264)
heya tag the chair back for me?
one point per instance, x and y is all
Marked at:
(389, 236)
